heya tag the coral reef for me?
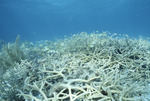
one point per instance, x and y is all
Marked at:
(10, 54)
(84, 67)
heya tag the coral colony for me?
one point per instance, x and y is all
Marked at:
(84, 67)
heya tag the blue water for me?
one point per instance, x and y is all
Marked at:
(37, 20)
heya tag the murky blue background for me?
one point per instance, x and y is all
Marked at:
(37, 20)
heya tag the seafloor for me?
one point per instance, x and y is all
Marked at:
(84, 67)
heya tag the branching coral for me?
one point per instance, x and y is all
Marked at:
(94, 67)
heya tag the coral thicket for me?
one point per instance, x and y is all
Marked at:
(84, 67)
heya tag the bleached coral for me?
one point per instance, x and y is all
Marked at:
(88, 67)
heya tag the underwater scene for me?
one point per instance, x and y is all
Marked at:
(75, 50)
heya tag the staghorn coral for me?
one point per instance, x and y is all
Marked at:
(86, 67)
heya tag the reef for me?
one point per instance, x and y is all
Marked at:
(83, 67)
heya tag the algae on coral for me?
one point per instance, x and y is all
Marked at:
(11, 54)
